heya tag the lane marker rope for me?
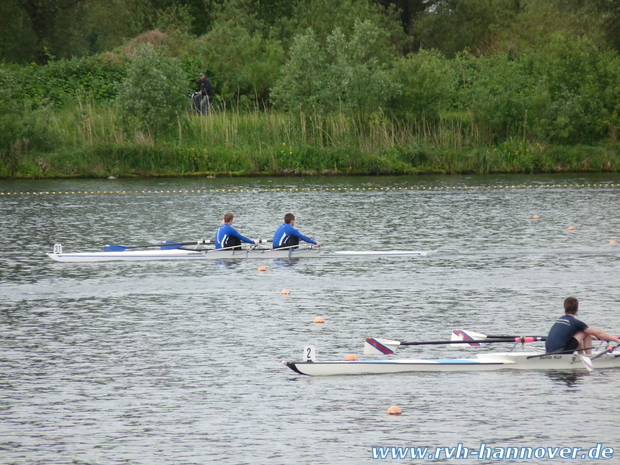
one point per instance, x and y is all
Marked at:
(324, 189)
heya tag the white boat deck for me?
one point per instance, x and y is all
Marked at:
(483, 362)
(222, 254)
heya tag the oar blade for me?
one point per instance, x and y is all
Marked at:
(374, 346)
(587, 362)
(114, 248)
(460, 335)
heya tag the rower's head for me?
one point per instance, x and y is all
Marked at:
(228, 218)
(571, 305)
(288, 218)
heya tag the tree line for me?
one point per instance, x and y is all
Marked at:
(42, 30)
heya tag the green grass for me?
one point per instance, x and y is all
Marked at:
(87, 140)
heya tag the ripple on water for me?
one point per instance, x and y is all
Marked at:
(180, 362)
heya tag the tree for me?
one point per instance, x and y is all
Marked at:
(426, 82)
(43, 16)
(409, 9)
(154, 91)
(604, 12)
(324, 16)
(456, 25)
(346, 74)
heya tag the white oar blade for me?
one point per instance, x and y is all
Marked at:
(374, 346)
(587, 362)
(460, 335)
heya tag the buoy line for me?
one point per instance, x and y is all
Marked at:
(319, 189)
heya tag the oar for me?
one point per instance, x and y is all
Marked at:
(122, 248)
(587, 361)
(387, 347)
(471, 337)
(240, 247)
(609, 350)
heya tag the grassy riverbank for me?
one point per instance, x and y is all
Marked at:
(88, 140)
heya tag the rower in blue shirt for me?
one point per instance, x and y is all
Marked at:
(227, 237)
(568, 333)
(287, 236)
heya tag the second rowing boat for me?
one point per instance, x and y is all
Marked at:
(483, 362)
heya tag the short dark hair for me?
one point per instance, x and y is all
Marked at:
(228, 217)
(288, 218)
(571, 305)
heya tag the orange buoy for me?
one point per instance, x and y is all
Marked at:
(535, 217)
(570, 228)
(262, 268)
(285, 292)
(613, 242)
(394, 410)
(351, 358)
(319, 319)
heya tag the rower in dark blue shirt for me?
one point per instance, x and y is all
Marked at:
(287, 236)
(227, 237)
(568, 333)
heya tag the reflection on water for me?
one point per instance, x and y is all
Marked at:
(226, 264)
(568, 379)
(179, 362)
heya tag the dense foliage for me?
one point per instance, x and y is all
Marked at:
(418, 77)
(151, 97)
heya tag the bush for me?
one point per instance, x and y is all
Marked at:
(11, 112)
(154, 91)
(565, 92)
(240, 63)
(583, 83)
(425, 85)
(53, 82)
(506, 96)
(344, 75)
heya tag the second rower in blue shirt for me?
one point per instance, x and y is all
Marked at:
(287, 236)
(227, 237)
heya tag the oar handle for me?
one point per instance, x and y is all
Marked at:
(538, 338)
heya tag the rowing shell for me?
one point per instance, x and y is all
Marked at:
(483, 362)
(221, 254)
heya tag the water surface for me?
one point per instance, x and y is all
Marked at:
(179, 362)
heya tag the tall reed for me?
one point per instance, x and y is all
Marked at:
(89, 139)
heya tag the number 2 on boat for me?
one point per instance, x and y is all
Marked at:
(309, 354)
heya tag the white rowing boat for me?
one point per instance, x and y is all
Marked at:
(219, 254)
(603, 357)
(483, 362)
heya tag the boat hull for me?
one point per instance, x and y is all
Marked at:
(212, 254)
(484, 362)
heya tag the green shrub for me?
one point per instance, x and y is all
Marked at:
(344, 75)
(154, 91)
(239, 63)
(425, 85)
(566, 92)
(11, 113)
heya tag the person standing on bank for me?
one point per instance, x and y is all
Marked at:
(568, 333)
(287, 236)
(203, 98)
(227, 237)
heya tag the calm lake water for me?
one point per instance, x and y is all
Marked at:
(179, 362)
